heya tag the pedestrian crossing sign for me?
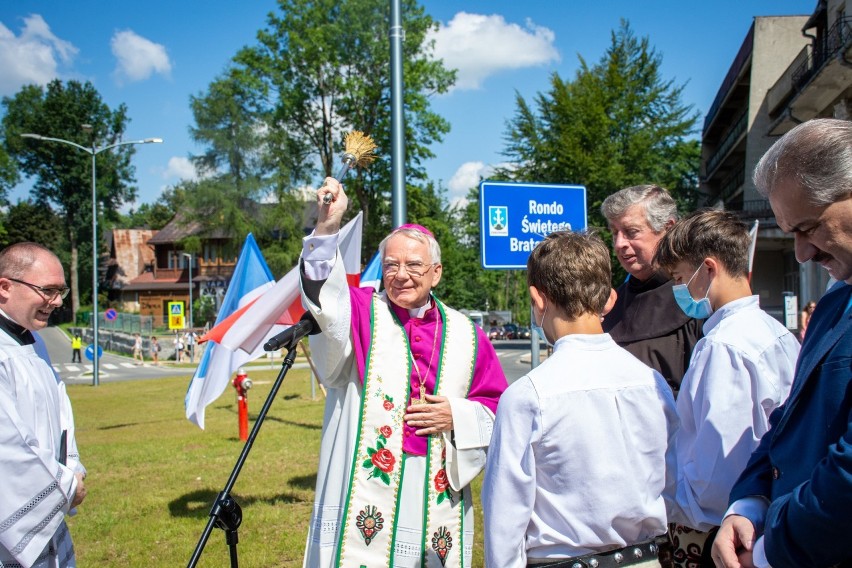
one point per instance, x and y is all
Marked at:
(176, 315)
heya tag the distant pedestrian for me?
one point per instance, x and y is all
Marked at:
(154, 350)
(179, 345)
(137, 350)
(76, 345)
(190, 340)
(804, 318)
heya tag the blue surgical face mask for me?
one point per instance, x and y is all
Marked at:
(698, 309)
(538, 329)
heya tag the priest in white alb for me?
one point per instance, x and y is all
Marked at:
(42, 478)
(413, 387)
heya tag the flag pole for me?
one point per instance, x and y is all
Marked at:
(314, 372)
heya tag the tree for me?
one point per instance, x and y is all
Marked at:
(8, 175)
(29, 221)
(155, 215)
(63, 173)
(617, 124)
(467, 283)
(247, 171)
(322, 68)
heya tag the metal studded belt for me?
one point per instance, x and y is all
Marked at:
(618, 558)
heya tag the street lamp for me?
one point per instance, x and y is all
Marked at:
(189, 256)
(93, 151)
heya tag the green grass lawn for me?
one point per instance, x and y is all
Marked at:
(152, 475)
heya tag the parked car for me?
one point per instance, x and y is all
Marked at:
(510, 331)
(495, 333)
(523, 333)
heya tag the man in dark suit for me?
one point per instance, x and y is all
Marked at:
(792, 506)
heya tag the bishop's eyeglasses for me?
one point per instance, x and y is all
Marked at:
(413, 269)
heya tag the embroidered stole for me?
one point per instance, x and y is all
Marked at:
(369, 523)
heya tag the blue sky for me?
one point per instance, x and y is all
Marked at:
(152, 56)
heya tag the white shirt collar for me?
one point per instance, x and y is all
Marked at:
(421, 311)
(749, 302)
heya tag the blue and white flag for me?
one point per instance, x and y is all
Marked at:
(251, 279)
(372, 275)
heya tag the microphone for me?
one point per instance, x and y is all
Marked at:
(290, 336)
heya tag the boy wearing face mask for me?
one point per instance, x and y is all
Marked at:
(581, 452)
(740, 371)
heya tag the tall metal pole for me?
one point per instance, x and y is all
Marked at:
(95, 342)
(94, 151)
(399, 211)
(190, 292)
(189, 256)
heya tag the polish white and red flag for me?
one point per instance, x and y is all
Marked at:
(238, 337)
(250, 280)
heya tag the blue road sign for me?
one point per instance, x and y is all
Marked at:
(90, 351)
(110, 314)
(515, 217)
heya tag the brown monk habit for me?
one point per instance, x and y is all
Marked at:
(647, 322)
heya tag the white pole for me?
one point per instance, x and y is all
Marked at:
(94, 151)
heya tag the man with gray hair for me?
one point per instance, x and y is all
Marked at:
(412, 386)
(792, 506)
(645, 319)
(41, 471)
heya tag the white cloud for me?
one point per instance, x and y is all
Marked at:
(32, 57)
(181, 168)
(469, 175)
(138, 57)
(480, 46)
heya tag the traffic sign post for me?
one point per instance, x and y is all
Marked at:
(90, 352)
(515, 217)
(110, 314)
(176, 315)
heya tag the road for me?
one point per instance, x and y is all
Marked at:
(514, 356)
(112, 367)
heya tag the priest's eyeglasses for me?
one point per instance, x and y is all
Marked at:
(49, 294)
(413, 269)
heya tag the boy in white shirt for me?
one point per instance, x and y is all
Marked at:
(579, 456)
(740, 371)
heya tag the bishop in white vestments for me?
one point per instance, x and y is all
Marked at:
(413, 387)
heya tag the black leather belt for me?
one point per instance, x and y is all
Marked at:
(618, 558)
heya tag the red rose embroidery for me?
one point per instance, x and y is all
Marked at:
(384, 460)
(441, 482)
(386, 431)
(388, 405)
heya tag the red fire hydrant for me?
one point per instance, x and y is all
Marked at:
(242, 383)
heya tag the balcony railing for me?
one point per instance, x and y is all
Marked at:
(734, 183)
(757, 209)
(838, 38)
(785, 87)
(725, 147)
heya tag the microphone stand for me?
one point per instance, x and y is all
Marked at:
(226, 513)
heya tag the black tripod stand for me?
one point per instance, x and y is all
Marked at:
(226, 513)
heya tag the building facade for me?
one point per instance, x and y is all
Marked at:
(789, 69)
(167, 277)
